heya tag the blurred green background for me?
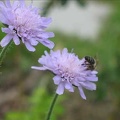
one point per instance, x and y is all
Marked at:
(26, 94)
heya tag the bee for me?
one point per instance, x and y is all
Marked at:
(90, 63)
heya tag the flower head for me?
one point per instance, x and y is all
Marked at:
(23, 23)
(69, 71)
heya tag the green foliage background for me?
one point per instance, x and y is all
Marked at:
(107, 50)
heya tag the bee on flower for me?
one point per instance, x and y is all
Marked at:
(69, 71)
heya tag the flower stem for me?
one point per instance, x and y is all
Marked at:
(3, 52)
(51, 107)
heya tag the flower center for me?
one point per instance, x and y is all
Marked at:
(66, 76)
(26, 22)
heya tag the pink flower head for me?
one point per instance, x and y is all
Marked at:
(69, 71)
(23, 23)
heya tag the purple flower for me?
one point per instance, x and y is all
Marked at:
(23, 23)
(69, 71)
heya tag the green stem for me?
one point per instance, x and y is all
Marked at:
(3, 52)
(51, 107)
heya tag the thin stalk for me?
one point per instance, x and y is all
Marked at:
(3, 52)
(51, 107)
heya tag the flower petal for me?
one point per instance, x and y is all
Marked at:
(69, 87)
(7, 2)
(38, 68)
(89, 85)
(16, 40)
(92, 78)
(29, 46)
(33, 41)
(6, 30)
(60, 89)
(57, 80)
(6, 40)
(47, 43)
(46, 35)
(82, 92)
(94, 72)
(22, 3)
(46, 21)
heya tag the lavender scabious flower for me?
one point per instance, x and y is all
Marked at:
(23, 23)
(69, 71)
